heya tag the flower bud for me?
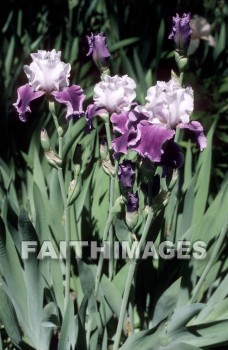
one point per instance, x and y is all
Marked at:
(44, 139)
(99, 50)
(132, 210)
(117, 207)
(132, 219)
(126, 174)
(181, 32)
(160, 201)
(104, 153)
(108, 168)
(74, 190)
(53, 159)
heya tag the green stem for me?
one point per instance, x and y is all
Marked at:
(108, 134)
(127, 290)
(68, 256)
(111, 200)
(101, 257)
(211, 261)
(60, 140)
(67, 209)
(130, 278)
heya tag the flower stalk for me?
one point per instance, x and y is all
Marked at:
(130, 277)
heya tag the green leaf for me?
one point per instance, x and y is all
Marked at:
(9, 318)
(166, 303)
(122, 231)
(122, 43)
(33, 279)
(69, 332)
(203, 178)
(182, 316)
(12, 272)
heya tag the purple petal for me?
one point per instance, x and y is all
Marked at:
(25, 94)
(172, 156)
(181, 32)
(126, 173)
(197, 128)
(133, 202)
(72, 96)
(119, 122)
(150, 140)
(91, 112)
(120, 144)
(99, 50)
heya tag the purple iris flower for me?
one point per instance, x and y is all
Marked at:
(99, 50)
(181, 32)
(146, 129)
(133, 202)
(126, 173)
(47, 74)
(139, 135)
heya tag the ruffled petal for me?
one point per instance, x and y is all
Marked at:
(73, 97)
(91, 112)
(119, 122)
(152, 138)
(120, 144)
(25, 94)
(197, 128)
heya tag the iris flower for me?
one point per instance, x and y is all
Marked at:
(146, 129)
(47, 74)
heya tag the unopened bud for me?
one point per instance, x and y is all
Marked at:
(182, 61)
(173, 179)
(74, 190)
(104, 153)
(44, 139)
(161, 200)
(117, 207)
(53, 159)
(108, 168)
(132, 219)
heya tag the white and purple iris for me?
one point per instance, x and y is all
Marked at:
(47, 74)
(146, 129)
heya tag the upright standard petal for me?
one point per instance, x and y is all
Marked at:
(169, 104)
(47, 72)
(25, 94)
(115, 94)
(197, 129)
(150, 140)
(73, 98)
